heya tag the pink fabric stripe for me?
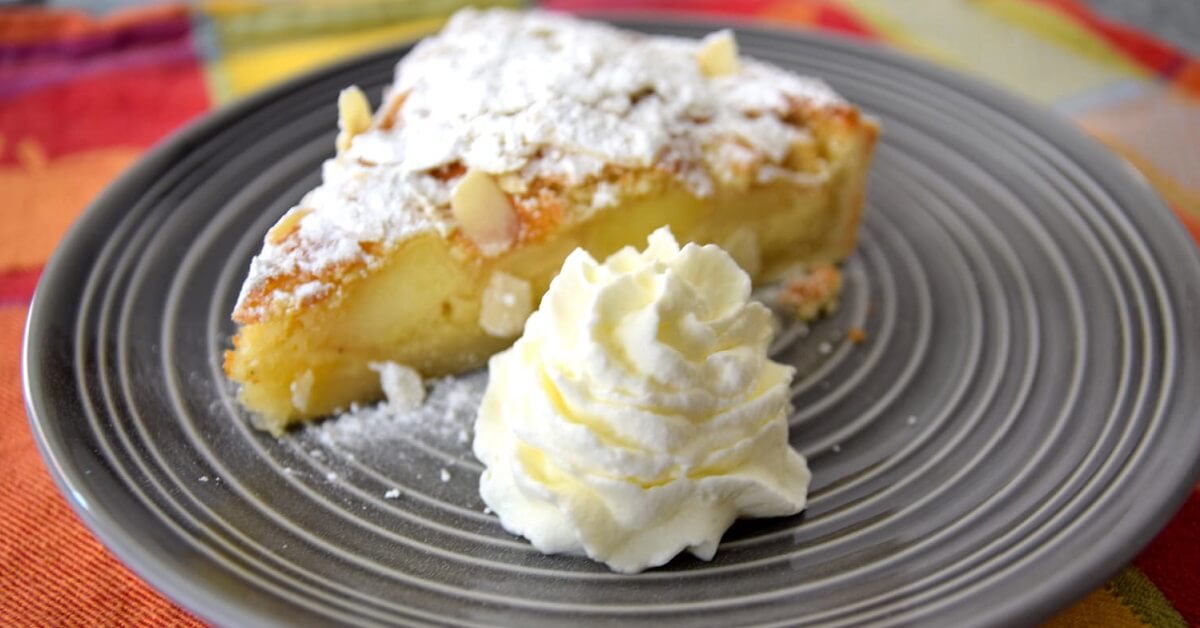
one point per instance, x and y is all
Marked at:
(51, 63)
(94, 43)
(16, 286)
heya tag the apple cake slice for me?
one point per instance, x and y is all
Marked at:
(505, 142)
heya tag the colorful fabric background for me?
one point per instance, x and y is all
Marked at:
(82, 97)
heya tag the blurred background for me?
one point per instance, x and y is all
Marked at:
(86, 87)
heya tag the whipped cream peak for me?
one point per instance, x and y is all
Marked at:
(690, 344)
(639, 414)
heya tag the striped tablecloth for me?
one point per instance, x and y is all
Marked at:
(81, 97)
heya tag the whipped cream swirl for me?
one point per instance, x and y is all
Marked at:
(639, 415)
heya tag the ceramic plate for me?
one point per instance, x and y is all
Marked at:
(1017, 425)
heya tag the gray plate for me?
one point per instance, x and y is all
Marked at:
(1015, 428)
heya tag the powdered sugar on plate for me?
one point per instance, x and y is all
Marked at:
(444, 422)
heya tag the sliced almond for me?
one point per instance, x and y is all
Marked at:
(484, 212)
(718, 54)
(287, 225)
(354, 116)
(507, 302)
(392, 111)
(742, 246)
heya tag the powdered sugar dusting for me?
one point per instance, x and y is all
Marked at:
(530, 95)
(444, 422)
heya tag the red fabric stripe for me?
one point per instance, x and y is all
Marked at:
(1172, 560)
(1193, 226)
(16, 286)
(48, 70)
(835, 18)
(828, 16)
(1151, 53)
(126, 107)
(724, 7)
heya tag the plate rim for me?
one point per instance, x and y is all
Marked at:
(193, 593)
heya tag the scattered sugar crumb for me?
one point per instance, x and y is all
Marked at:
(317, 453)
(825, 348)
(401, 384)
(445, 421)
(331, 476)
(310, 290)
(912, 420)
(204, 478)
(392, 493)
(289, 471)
(301, 389)
(445, 475)
(856, 335)
(487, 510)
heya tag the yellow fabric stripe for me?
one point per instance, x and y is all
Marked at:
(976, 40)
(250, 70)
(1063, 31)
(259, 43)
(1145, 600)
(880, 19)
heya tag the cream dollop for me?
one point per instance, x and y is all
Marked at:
(639, 415)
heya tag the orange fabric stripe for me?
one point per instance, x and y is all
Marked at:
(19, 26)
(1187, 80)
(57, 558)
(1101, 608)
(43, 197)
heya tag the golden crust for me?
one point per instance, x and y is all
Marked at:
(812, 293)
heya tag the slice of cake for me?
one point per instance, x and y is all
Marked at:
(506, 141)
